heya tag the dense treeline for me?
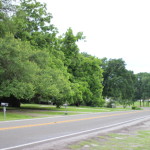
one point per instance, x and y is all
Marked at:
(37, 65)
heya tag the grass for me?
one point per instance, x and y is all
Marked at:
(72, 108)
(30, 115)
(138, 141)
(137, 103)
(16, 114)
(13, 116)
(28, 111)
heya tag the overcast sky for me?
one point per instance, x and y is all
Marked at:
(113, 28)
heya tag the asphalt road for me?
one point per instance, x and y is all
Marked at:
(19, 134)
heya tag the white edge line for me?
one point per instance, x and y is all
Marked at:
(73, 134)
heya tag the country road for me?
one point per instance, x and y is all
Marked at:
(24, 133)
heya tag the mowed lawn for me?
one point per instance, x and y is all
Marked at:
(29, 111)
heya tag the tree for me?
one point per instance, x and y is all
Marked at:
(7, 8)
(52, 86)
(70, 49)
(33, 24)
(17, 71)
(86, 74)
(89, 75)
(118, 82)
(142, 87)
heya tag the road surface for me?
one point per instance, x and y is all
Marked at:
(23, 133)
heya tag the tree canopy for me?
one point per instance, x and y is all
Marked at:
(37, 65)
(119, 83)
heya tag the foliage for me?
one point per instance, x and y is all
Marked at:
(52, 81)
(142, 86)
(89, 74)
(6, 9)
(70, 48)
(38, 66)
(17, 72)
(119, 83)
(33, 24)
(136, 108)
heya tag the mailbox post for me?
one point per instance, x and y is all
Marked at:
(65, 105)
(4, 105)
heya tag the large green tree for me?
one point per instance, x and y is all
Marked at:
(143, 86)
(70, 48)
(17, 72)
(119, 83)
(33, 23)
(7, 9)
(89, 75)
(31, 74)
(52, 80)
(86, 74)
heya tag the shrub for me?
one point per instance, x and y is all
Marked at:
(136, 108)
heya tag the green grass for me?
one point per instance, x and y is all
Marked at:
(53, 113)
(13, 116)
(137, 103)
(28, 111)
(72, 108)
(16, 114)
(138, 141)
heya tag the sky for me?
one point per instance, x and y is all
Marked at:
(113, 28)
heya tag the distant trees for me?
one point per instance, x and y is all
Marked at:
(119, 83)
(142, 87)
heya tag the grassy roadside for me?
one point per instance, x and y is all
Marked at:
(72, 108)
(29, 111)
(113, 141)
(146, 104)
(16, 115)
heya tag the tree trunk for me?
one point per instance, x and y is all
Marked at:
(143, 103)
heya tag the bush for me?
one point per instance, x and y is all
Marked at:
(136, 108)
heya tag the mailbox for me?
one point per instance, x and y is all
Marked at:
(4, 104)
(65, 105)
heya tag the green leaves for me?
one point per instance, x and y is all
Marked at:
(119, 83)
(70, 48)
(18, 71)
(20, 90)
(33, 24)
(38, 65)
(88, 75)
(143, 86)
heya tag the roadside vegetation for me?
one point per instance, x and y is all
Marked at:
(116, 141)
(29, 111)
(38, 65)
